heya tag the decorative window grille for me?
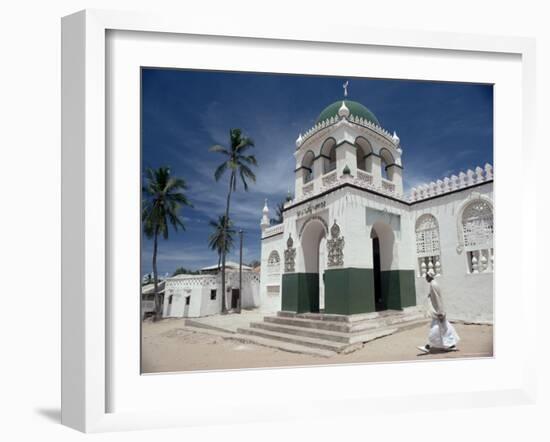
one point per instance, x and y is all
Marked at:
(427, 245)
(274, 262)
(273, 290)
(477, 231)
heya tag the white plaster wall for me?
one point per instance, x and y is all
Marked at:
(271, 302)
(198, 287)
(466, 296)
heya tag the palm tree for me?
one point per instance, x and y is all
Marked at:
(216, 239)
(237, 162)
(163, 199)
(279, 210)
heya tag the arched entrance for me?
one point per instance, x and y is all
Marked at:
(313, 245)
(382, 239)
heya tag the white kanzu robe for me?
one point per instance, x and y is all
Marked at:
(442, 333)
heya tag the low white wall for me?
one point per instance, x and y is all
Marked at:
(199, 287)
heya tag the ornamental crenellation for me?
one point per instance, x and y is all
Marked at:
(452, 183)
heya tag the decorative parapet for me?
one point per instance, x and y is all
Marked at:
(273, 230)
(332, 180)
(352, 119)
(454, 182)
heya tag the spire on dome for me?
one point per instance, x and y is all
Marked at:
(343, 112)
(265, 218)
(395, 138)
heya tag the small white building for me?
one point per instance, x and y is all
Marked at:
(192, 296)
(353, 242)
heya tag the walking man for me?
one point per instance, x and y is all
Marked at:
(442, 334)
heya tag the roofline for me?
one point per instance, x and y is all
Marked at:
(405, 203)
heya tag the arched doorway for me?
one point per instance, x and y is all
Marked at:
(313, 242)
(382, 239)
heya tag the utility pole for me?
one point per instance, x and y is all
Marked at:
(241, 271)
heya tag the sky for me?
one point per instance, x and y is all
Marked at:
(444, 128)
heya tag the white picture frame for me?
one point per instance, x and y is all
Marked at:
(86, 317)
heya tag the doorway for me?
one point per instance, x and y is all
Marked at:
(378, 299)
(235, 295)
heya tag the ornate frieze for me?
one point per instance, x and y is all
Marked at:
(335, 247)
(290, 255)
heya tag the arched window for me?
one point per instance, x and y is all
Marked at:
(364, 149)
(328, 152)
(477, 232)
(386, 160)
(427, 245)
(274, 262)
(307, 165)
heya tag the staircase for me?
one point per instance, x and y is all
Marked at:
(325, 334)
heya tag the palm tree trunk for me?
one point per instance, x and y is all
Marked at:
(155, 277)
(225, 222)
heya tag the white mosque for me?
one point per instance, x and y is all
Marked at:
(352, 242)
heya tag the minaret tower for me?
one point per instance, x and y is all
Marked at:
(265, 218)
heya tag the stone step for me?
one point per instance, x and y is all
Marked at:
(251, 339)
(335, 336)
(282, 345)
(345, 327)
(350, 318)
(294, 339)
(340, 337)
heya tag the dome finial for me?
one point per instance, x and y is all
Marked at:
(345, 86)
(395, 138)
(343, 112)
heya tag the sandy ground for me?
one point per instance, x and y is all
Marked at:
(167, 346)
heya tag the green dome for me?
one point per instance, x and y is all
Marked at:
(356, 109)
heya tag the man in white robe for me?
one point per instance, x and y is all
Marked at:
(442, 334)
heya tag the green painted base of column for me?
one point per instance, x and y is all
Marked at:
(300, 292)
(349, 291)
(398, 289)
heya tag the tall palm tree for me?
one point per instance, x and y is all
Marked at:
(163, 198)
(216, 239)
(237, 163)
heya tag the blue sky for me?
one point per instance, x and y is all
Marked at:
(444, 128)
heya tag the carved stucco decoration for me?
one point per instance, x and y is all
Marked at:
(335, 247)
(290, 255)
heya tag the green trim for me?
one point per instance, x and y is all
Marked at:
(398, 289)
(300, 292)
(349, 291)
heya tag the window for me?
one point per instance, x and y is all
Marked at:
(187, 300)
(477, 231)
(274, 262)
(273, 290)
(427, 245)
(386, 161)
(212, 294)
(307, 165)
(363, 154)
(328, 152)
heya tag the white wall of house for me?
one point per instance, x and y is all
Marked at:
(198, 288)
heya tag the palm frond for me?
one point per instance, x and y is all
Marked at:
(220, 170)
(220, 149)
